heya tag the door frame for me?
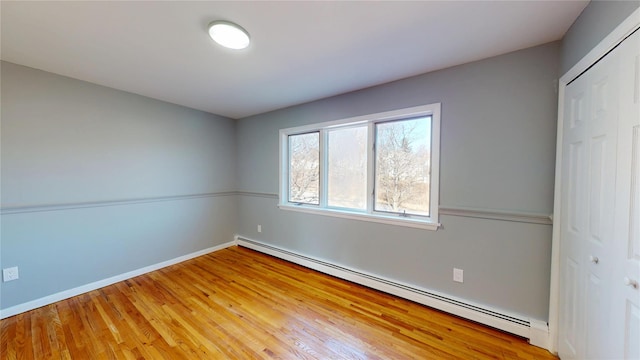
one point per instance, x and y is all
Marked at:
(628, 26)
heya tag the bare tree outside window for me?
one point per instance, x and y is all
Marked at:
(304, 168)
(402, 166)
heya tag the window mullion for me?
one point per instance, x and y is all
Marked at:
(284, 167)
(324, 166)
(370, 166)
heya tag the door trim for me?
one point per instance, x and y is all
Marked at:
(628, 26)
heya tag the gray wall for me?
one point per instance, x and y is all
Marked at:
(68, 142)
(497, 153)
(65, 142)
(597, 20)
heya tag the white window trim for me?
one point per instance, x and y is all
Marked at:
(422, 222)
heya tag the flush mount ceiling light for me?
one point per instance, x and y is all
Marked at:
(229, 35)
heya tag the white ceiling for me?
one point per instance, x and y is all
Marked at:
(300, 51)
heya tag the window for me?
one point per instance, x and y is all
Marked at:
(304, 168)
(347, 168)
(402, 166)
(381, 167)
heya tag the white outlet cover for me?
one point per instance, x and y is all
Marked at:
(10, 274)
(458, 275)
(259, 228)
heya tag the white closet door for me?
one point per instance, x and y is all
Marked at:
(589, 160)
(598, 243)
(625, 339)
(598, 314)
(573, 222)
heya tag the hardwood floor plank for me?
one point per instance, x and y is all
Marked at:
(240, 304)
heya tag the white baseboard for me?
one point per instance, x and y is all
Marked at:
(50, 299)
(536, 331)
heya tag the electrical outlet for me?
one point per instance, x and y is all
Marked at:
(458, 275)
(259, 228)
(10, 274)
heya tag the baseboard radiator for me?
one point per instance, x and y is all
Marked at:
(535, 331)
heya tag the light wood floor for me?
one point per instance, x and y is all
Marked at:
(240, 304)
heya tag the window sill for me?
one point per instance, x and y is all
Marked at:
(390, 220)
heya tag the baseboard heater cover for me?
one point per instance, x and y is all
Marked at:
(512, 324)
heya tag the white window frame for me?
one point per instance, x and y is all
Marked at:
(430, 222)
